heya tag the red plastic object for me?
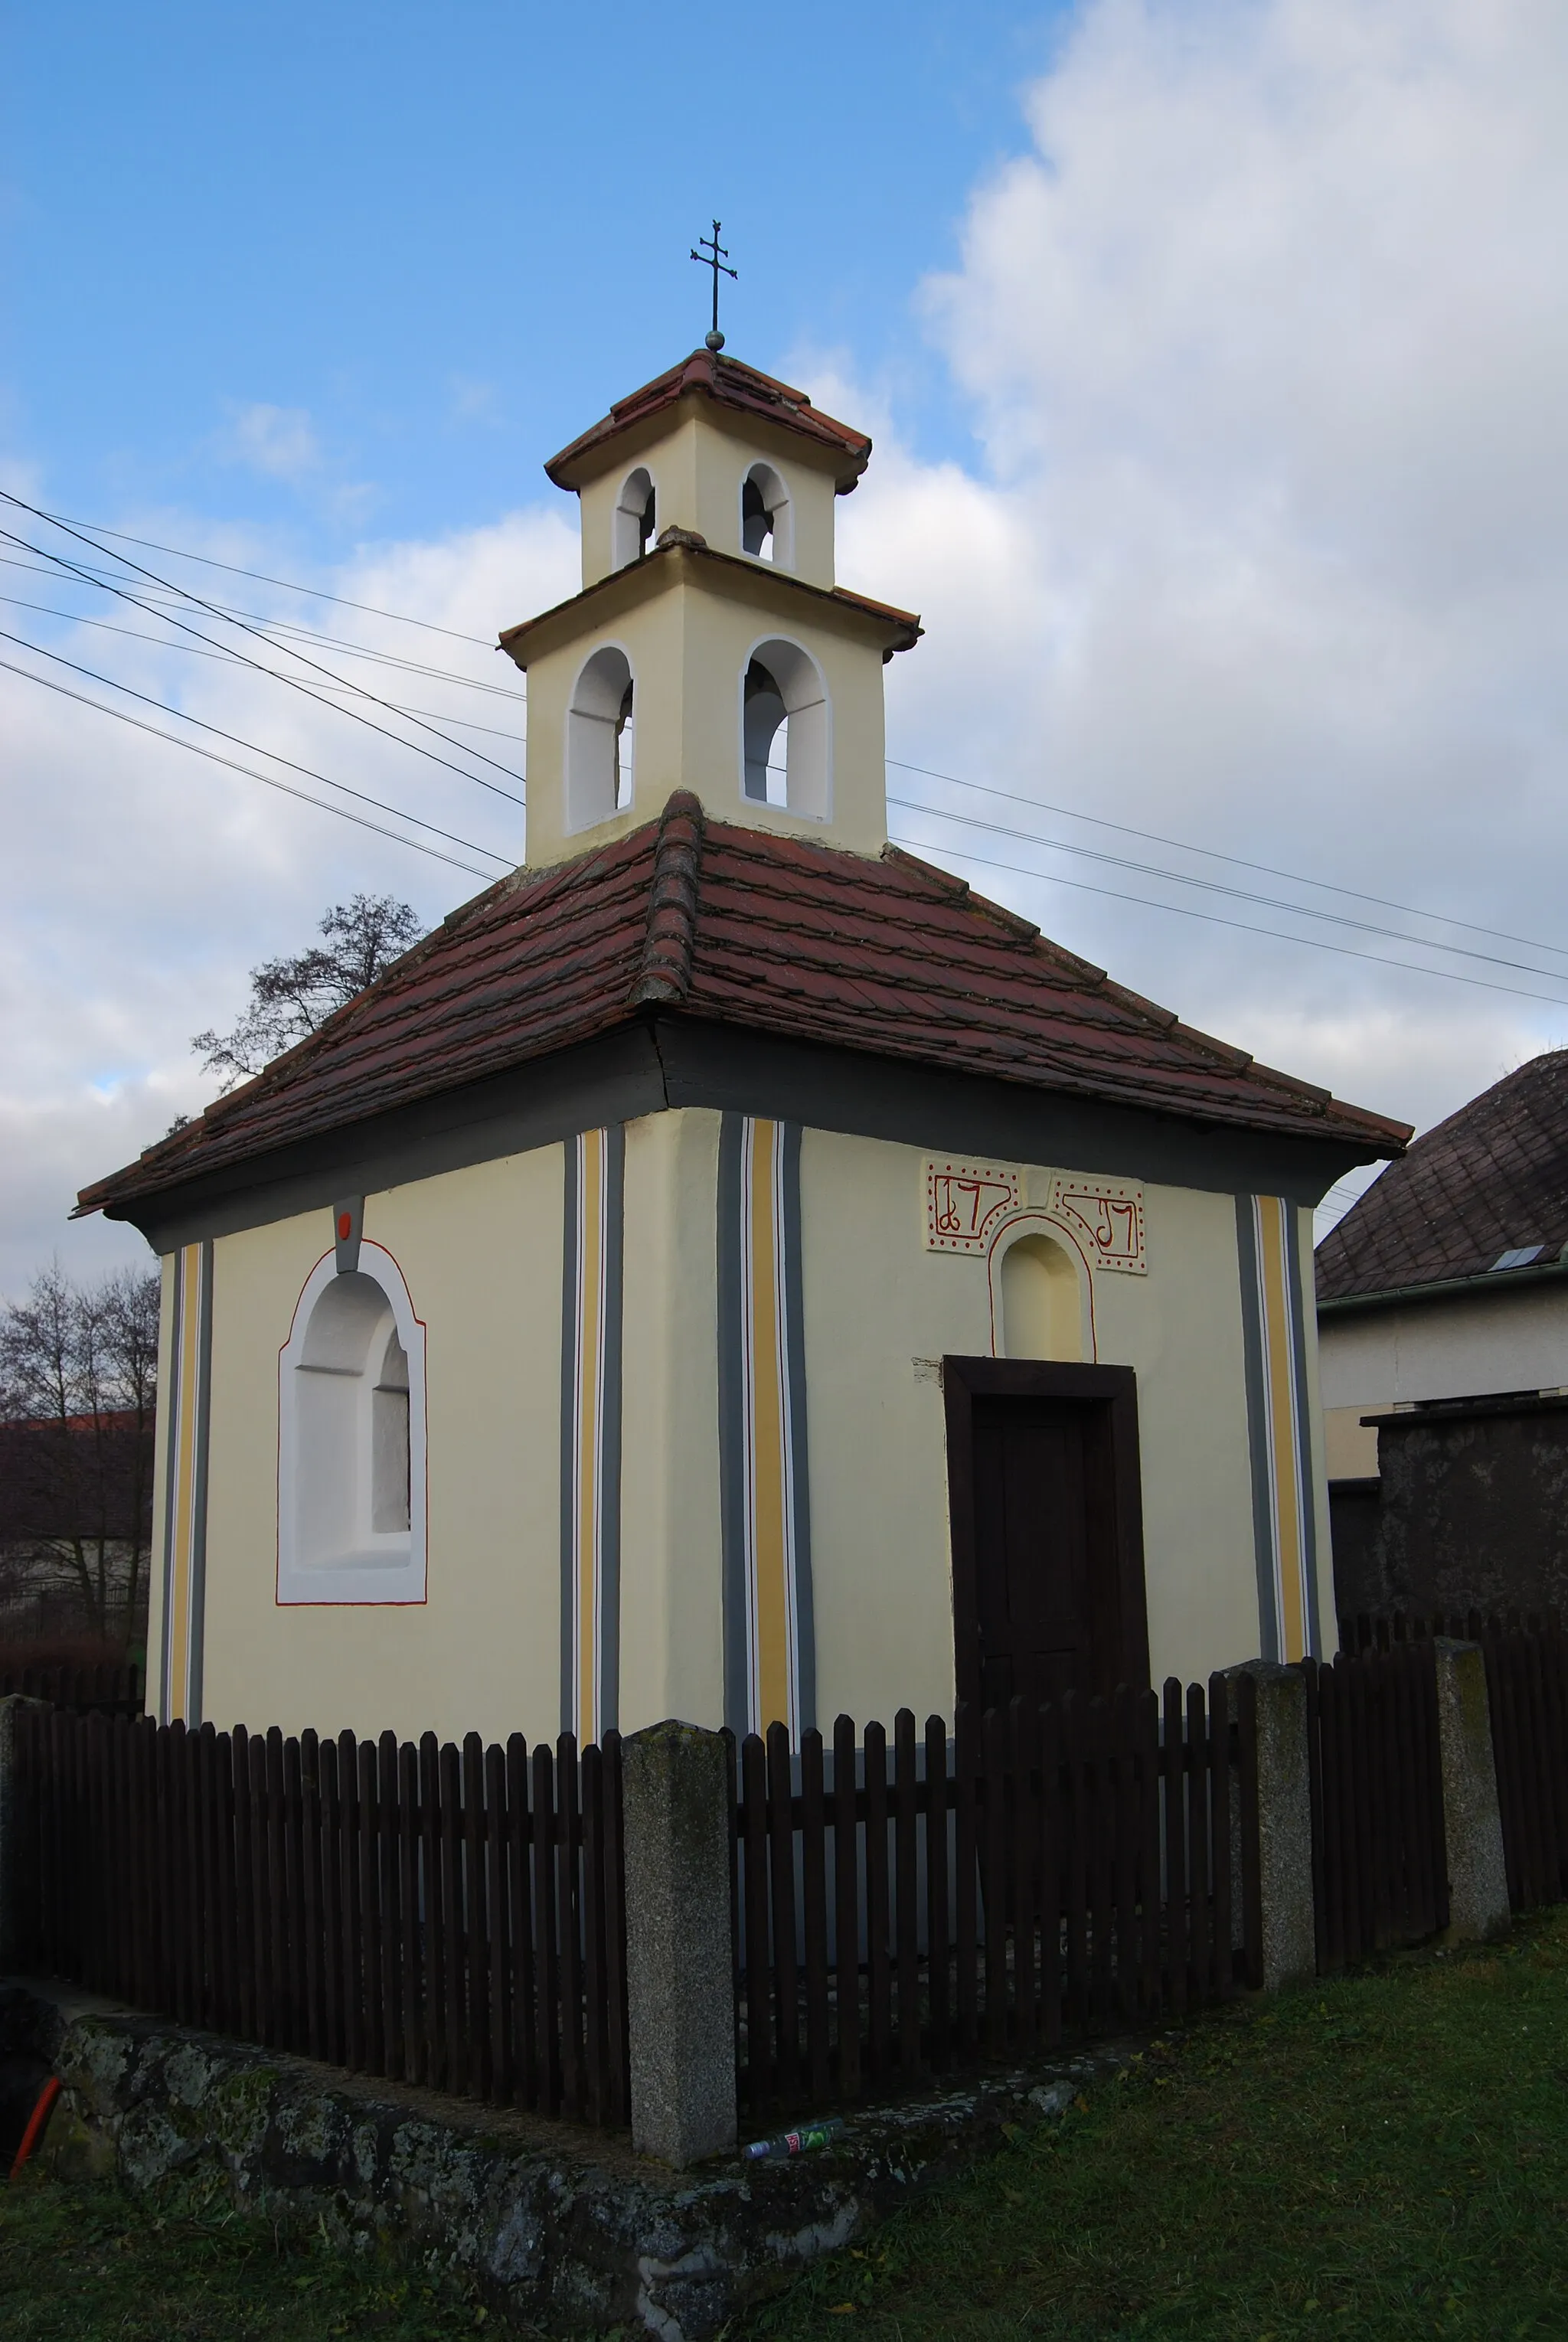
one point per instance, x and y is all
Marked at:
(36, 2122)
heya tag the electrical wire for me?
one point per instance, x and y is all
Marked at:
(236, 740)
(1216, 887)
(292, 680)
(312, 593)
(1212, 854)
(1242, 926)
(135, 635)
(285, 787)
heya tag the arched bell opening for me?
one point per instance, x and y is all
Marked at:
(785, 731)
(600, 776)
(767, 531)
(634, 520)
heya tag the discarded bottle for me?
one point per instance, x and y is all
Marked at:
(794, 2142)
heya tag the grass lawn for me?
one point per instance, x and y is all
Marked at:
(1385, 2156)
(1382, 2157)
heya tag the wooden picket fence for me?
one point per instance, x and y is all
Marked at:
(111, 1691)
(1527, 1692)
(1041, 1874)
(1380, 1875)
(440, 1916)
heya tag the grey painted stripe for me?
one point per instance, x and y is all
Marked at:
(800, 1476)
(196, 1631)
(732, 1426)
(609, 1474)
(572, 1208)
(1303, 1430)
(171, 1400)
(1257, 1427)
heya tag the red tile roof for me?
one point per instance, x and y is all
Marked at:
(710, 920)
(732, 385)
(1493, 1178)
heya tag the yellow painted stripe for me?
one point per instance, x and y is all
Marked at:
(770, 1553)
(590, 1371)
(1279, 1367)
(182, 1496)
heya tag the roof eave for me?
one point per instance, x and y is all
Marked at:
(1445, 1288)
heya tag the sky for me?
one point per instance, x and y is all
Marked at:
(1217, 357)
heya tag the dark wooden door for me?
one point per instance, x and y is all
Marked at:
(1047, 1555)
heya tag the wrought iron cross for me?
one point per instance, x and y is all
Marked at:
(713, 254)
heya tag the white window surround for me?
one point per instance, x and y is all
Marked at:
(633, 520)
(801, 690)
(600, 778)
(1060, 1262)
(351, 1524)
(761, 541)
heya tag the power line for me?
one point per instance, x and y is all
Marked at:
(236, 740)
(47, 683)
(187, 650)
(1243, 926)
(99, 581)
(293, 681)
(1216, 887)
(1212, 854)
(312, 593)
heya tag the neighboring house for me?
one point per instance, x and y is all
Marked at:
(76, 1505)
(1442, 1317)
(730, 1270)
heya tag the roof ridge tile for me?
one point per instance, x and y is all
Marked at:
(665, 968)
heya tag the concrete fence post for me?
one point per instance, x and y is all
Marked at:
(680, 1972)
(16, 1881)
(1284, 1823)
(1471, 1819)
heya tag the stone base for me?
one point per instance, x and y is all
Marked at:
(559, 2227)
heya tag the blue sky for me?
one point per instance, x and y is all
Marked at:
(1215, 353)
(450, 235)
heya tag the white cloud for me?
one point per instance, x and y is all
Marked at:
(1269, 365)
(279, 442)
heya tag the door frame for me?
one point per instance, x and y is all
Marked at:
(964, 1380)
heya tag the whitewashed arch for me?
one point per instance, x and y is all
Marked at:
(351, 1484)
(1044, 1307)
(767, 516)
(601, 777)
(786, 729)
(633, 523)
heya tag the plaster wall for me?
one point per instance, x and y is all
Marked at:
(481, 1253)
(689, 649)
(1467, 1347)
(697, 469)
(880, 1312)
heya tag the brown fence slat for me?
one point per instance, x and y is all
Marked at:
(938, 1953)
(846, 1909)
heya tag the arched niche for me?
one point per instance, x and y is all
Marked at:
(351, 1438)
(767, 517)
(633, 523)
(1041, 1296)
(599, 739)
(786, 730)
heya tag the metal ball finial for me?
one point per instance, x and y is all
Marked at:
(716, 340)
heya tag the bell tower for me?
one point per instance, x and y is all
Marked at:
(710, 648)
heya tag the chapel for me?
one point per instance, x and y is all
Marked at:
(730, 1270)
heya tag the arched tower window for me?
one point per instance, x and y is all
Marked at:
(766, 519)
(351, 1439)
(1041, 1309)
(599, 776)
(634, 520)
(785, 731)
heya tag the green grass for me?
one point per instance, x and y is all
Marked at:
(87, 2264)
(1383, 2157)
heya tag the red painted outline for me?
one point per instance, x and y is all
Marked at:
(411, 1604)
(1032, 1214)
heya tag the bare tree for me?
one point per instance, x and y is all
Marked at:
(290, 998)
(79, 1391)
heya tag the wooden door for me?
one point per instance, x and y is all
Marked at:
(1048, 1587)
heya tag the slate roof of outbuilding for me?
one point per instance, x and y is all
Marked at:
(730, 384)
(707, 919)
(1493, 1178)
